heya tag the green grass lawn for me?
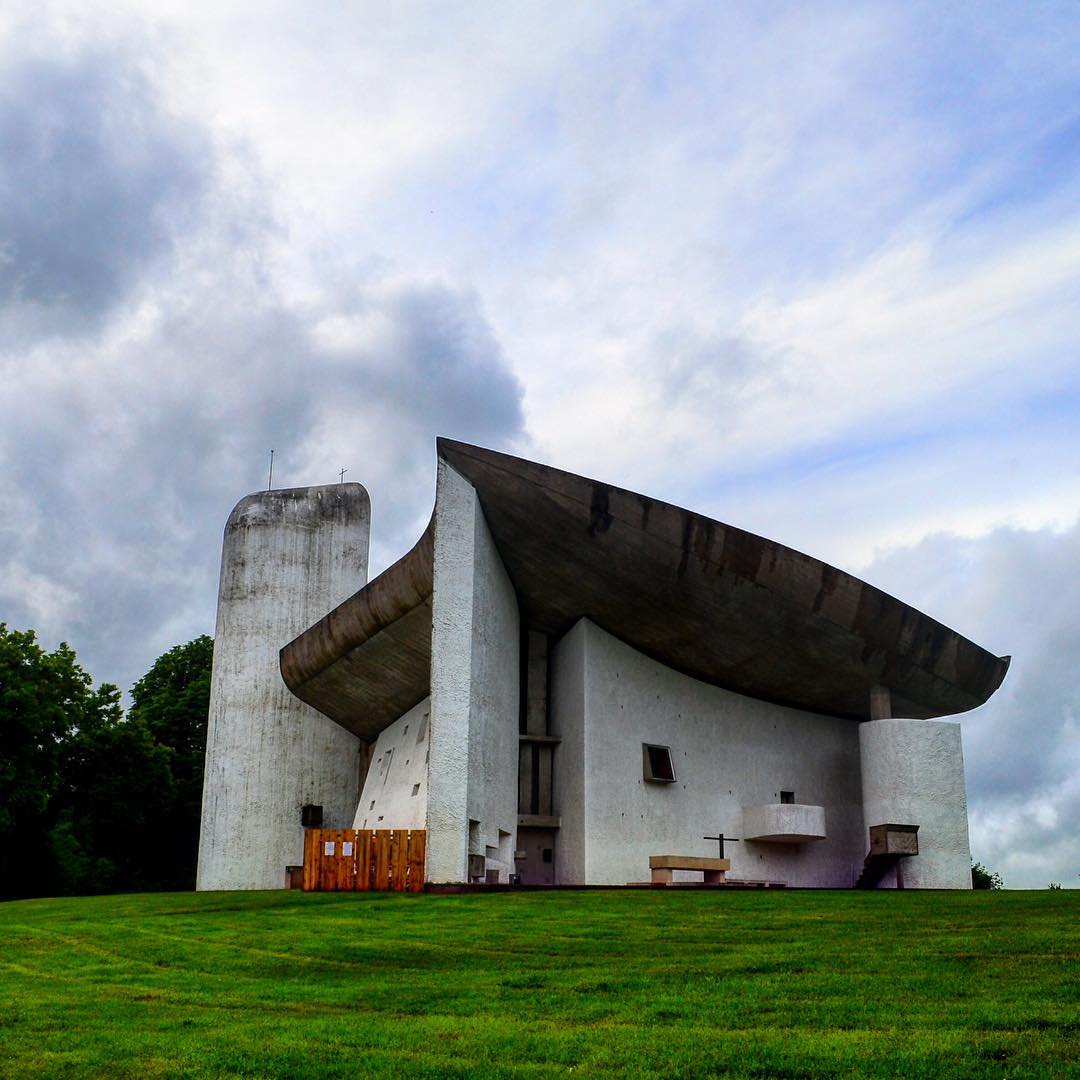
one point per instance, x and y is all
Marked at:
(594, 984)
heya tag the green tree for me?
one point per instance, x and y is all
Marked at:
(91, 800)
(44, 698)
(172, 701)
(981, 878)
(117, 791)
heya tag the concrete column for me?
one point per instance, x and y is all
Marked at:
(475, 679)
(288, 557)
(880, 703)
(913, 774)
(451, 676)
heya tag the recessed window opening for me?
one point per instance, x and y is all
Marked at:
(656, 764)
(545, 854)
(787, 796)
(416, 789)
(422, 733)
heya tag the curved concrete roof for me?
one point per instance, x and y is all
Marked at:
(707, 599)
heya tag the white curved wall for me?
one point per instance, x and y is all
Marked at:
(288, 557)
(395, 790)
(913, 774)
(729, 752)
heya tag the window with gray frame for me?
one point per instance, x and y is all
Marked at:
(656, 764)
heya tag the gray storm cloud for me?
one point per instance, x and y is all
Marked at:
(95, 183)
(156, 363)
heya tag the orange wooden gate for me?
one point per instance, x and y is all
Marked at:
(347, 860)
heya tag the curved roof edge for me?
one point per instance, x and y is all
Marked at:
(713, 601)
(363, 663)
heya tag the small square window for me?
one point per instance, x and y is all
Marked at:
(656, 763)
(787, 796)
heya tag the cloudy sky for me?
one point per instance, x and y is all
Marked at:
(813, 270)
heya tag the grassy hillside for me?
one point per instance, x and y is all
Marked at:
(635, 983)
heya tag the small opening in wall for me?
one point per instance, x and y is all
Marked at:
(787, 796)
(422, 733)
(656, 764)
(372, 806)
(546, 854)
(416, 789)
(405, 732)
(311, 816)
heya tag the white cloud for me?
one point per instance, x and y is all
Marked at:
(813, 275)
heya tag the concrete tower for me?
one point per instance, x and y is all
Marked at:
(288, 557)
(913, 771)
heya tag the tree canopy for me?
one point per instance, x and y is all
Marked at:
(92, 800)
(981, 878)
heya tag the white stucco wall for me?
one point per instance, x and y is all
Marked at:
(913, 774)
(288, 557)
(472, 770)
(729, 752)
(395, 790)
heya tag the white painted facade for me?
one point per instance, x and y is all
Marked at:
(794, 792)
(475, 647)
(913, 773)
(729, 752)
(395, 789)
(288, 557)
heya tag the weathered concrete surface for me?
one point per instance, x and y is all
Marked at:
(288, 555)
(472, 771)
(784, 823)
(715, 602)
(706, 599)
(913, 774)
(729, 751)
(395, 791)
(369, 660)
(567, 714)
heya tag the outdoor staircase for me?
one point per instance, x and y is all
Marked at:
(875, 868)
(888, 845)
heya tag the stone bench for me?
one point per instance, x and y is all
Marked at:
(661, 867)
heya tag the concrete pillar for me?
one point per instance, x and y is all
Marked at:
(913, 774)
(288, 557)
(451, 679)
(880, 703)
(475, 703)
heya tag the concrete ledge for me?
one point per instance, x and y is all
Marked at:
(784, 823)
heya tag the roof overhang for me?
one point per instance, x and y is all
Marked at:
(712, 601)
